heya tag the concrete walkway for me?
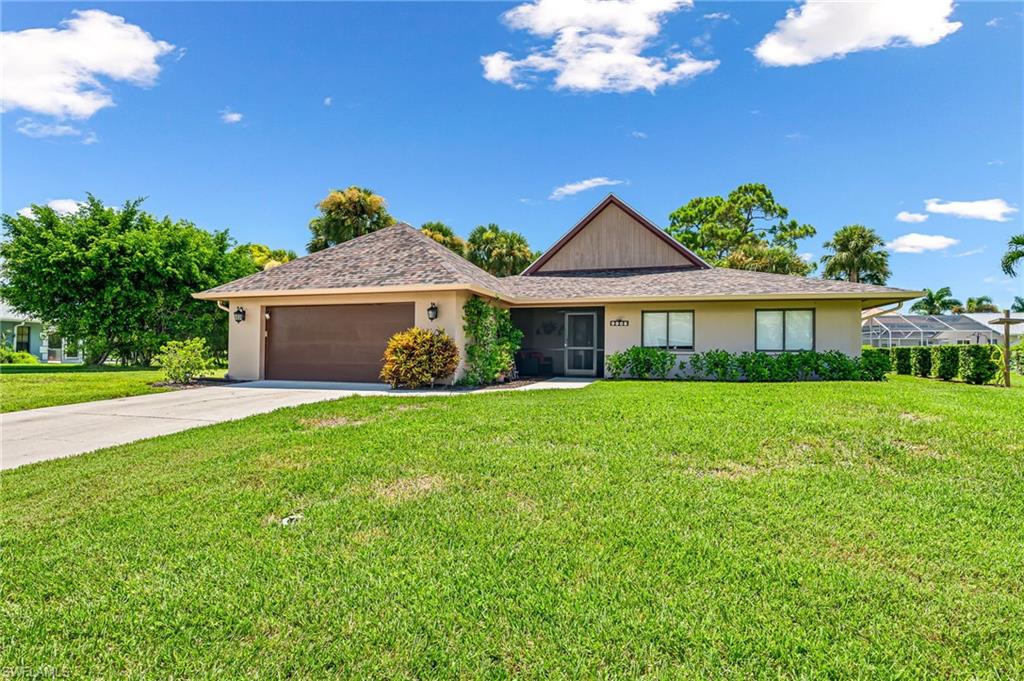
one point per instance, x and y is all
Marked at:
(55, 432)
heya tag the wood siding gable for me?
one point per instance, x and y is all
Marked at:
(614, 236)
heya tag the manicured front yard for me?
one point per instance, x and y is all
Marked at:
(29, 386)
(667, 529)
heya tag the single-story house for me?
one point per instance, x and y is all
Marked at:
(613, 281)
(21, 332)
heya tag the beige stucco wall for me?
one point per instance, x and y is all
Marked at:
(730, 326)
(245, 339)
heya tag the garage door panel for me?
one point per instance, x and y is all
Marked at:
(332, 342)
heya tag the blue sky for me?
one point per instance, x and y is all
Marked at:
(858, 138)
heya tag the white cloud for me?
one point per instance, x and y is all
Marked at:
(973, 251)
(33, 128)
(995, 21)
(907, 216)
(58, 71)
(718, 16)
(919, 243)
(90, 138)
(995, 210)
(597, 46)
(639, 134)
(328, 101)
(230, 117)
(62, 206)
(820, 29)
(795, 136)
(807, 257)
(583, 185)
(995, 162)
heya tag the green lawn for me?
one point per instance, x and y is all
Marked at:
(628, 529)
(28, 386)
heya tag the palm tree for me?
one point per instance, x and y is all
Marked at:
(444, 235)
(502, 253)
(936, 302)
(1018, 304)
(859, 256)
(1014, 254)
(979, 304)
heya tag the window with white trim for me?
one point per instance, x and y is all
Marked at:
(784, 330)
(671, 330)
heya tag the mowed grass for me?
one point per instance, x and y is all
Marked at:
(670, 530)
(30, 386)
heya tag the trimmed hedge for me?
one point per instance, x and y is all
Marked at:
(721, 365)
(921, 361)
(978, 364)
(901, 360)
(945, 361)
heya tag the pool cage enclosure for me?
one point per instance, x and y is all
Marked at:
(895, 330)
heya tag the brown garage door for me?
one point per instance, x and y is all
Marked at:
(331, 342)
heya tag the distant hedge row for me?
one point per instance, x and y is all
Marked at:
(970, 363)
(721, 365)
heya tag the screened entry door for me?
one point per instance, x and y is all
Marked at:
(581, 343)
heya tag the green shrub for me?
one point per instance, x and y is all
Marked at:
(417, 357)
(616, 364)
(641, 362)
(901, 360)
(492, 341)
(921, 361)
(945, 361)
(884, 351)
(835, 366)
(1017, 357)
(184, 361)
(718, 365)
(874, 364)
(755, 366)
(8, 356)
(977, 365)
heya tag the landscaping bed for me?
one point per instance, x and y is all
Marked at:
(673, 529)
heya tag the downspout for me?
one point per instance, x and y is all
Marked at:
(221, 305)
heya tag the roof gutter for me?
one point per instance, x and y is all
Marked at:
(879, 313)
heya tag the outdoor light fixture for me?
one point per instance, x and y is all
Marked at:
(432, 312)
(239, 314)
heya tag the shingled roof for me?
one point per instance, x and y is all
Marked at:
(394, 256)
(404, 258)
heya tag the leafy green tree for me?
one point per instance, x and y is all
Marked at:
(264, 257)
(118, 279)
(346, 214)
(764, 258)
(1014, 254)
(714, 227)
(1018, 304)
(858, 255)
(502, 253)
(936, 302)
(979, 304)
(444, 235)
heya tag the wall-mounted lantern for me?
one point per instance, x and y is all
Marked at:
(239, 314)
(432, 312)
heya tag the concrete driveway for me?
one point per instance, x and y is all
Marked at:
(55, 432)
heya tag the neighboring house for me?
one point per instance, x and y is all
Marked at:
(894, 330)
(613, 281)
(22, 333)
(986, 318)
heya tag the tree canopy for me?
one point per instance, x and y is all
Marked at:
(1014, 254)
(118, 279)
(939, 301)
(264, 257)
(748, 218)
(1018, 304)
(346, 214)
(858, 255)
(979, 304)
(765, 258)
(500, 252)
(444, 235)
